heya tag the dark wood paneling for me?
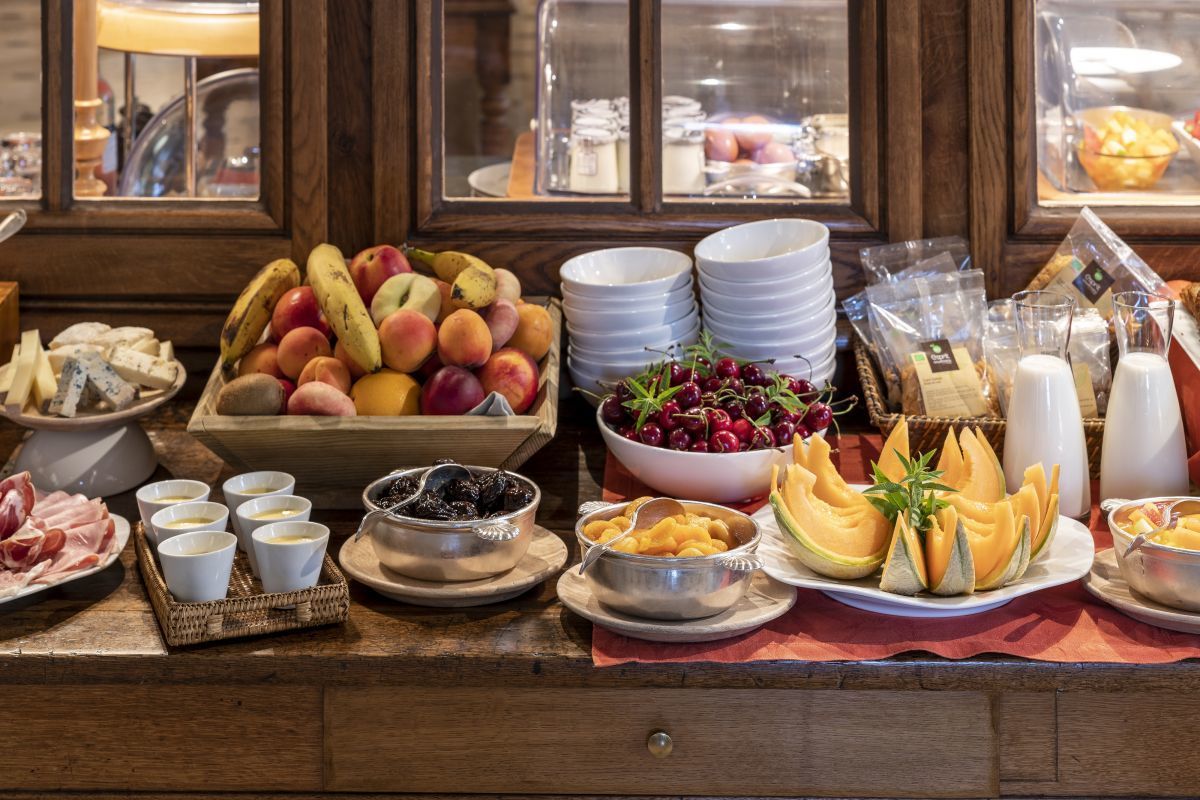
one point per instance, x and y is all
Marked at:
(351, 116)
(944, 117)
(988, 104)
(903, 48)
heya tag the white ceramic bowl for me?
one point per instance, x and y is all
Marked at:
(815, 350)
(633, 353)
(606, 364)
(710, 477)
(572, 301)
(590, 385)
(817, 372)
(814, 281)
(774, 319)
(785, 301)
(625, 272)
(763, 250)
(658, 336)
(619, 319)
(751, 329)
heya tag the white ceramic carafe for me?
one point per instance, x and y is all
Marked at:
(1044, 424)
(1144, 452)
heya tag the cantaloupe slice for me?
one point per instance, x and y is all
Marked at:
(895, 446)
(950, 460)
(904, 567)
(1046, 526)
(981, 478)
(1025, 503)
(948, 560)
(1003, 550)
(827, 543)
(830, 486)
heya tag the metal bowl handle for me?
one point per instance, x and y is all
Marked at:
(592, 506)
(749, 563)
(497, 532)
(1112, 504)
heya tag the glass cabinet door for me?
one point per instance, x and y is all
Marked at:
(20, 99)
(1118, 102)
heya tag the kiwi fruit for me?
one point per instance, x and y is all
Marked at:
(250, 396)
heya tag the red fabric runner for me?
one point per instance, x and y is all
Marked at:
(1064, 624)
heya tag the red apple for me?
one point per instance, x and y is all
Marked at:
(452, 390)
(373, 266)
(298, 308)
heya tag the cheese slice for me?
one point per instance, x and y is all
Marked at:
(149, 346)
(58, 357)
(71, 386)
(125, 336)
(142, 369)
(79, 333)
(22, 383)
(44, 385)
(7, 371)
(111, 386)
(166, 351)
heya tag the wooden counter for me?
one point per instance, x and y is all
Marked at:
(504, 699)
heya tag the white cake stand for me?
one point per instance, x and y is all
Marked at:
(97, 453)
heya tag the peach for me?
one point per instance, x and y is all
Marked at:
(508, 285)
(320, 400)
(452, 390)
(261, 358)
(534, 331)
(447, 305)
(289, 389)
(513, 374)
(406, 338)
(297, 308)
(386, 393)
(298, 347)
(371, 267)
(464, 340)
(502, 320)
(326, 369)
(339, 352)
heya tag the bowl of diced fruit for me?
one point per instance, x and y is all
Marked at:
(1125, 148)
(1165, 568)
(708, 427)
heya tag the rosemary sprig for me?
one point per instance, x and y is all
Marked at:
(914, 495)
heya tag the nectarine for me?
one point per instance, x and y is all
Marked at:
(326, 369)
(464, 340)
(406, 338)
(452, 390)
(298, 347)
(321, 400)
(513, 374)
(261, 358)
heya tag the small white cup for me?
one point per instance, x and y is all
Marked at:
(215, 516)
(290, 566)
(250, 485)
(247, 524)
(196, 565)
(150, 498)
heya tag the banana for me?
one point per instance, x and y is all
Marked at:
(473, 288)
(343, 306)
(252, 311)
(449, 264)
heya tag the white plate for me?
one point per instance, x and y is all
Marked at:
(1106, 583)
(1069, 558)
(121, 532)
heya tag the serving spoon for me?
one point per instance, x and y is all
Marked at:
(1172, 513)
(431, 479)
(645, 516)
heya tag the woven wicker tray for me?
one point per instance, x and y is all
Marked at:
(929, 433)
(246, 611)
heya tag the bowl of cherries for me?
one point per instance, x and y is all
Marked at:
(708, 427)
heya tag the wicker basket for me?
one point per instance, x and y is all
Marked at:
(333, 458)
(928, 433)
(246, 611)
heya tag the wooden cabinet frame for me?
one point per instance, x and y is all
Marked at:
(1011, 235)
(174, 264)
(537, 235)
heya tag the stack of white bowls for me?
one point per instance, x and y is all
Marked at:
(625, 307)
(767, 292)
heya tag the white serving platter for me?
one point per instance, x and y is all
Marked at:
(121, 533)
(1105, 582)
(1069, 558)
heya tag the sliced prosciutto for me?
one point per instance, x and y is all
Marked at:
(53, 535)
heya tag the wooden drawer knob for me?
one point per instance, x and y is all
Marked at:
(659, 744)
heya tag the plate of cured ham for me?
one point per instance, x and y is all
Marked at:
(50, 538)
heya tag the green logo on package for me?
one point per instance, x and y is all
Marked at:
(1092, 282)
(939, 354)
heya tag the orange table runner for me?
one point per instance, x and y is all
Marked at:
(1064, 624)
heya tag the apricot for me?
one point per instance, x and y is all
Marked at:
(262, 358)
(298, 347)
(326, 369)
(513, 374)
(464, 340)
(406, 338)
(320, 399)
(534, 331)
(387, 393)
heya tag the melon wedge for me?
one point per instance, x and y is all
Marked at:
(826, 542)
(830, 486)
(950, 460)
(981, 477)
(895, 446)
(948, 559)
(1048, 523)
(999, 553)
(904, 567)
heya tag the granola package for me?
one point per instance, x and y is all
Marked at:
(922, 257)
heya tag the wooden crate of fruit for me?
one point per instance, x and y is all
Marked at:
(334, 457)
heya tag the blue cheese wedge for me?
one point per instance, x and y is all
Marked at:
(58, 356)
(71, 386)
(118, 392)
(143, 369)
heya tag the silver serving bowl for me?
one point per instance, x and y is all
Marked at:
(665, 587)
(436, 550)
(1166, 575)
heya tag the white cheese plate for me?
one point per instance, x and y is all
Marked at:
(92, 419)
(1068, 558)
(121, 532)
